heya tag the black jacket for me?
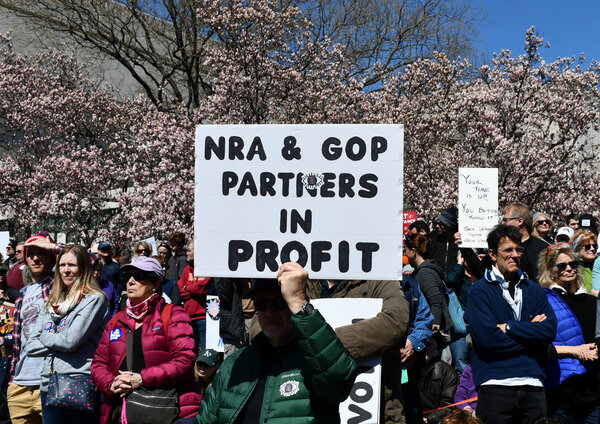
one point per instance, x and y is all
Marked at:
(231, 323)
(430, 280)
(437, 387)
(443, 252)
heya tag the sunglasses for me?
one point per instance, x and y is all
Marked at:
(140, 251)
(543, 221)
(563, 265)
(589, 247)
(278, 304)
(138, 276)
(19, 251)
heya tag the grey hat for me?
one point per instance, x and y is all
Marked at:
(147, 264)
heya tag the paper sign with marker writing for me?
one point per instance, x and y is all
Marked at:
(326, 196)
(477, 205)
(362, 406)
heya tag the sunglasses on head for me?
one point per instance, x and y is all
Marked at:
(563, 265)
(277, 304)
(589, 247)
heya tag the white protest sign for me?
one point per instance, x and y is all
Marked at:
(326, 196)
(4, 240)
(362, 406)
(477, 204)
(213, 317)
(152, 242)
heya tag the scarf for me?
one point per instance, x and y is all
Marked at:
(61, 309)
(138, 311)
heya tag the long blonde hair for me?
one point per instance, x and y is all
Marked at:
(84, 285)
(547, 260)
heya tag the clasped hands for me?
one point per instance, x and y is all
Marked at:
(125, 382)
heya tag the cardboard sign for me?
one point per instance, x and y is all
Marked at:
(477, 204)
(213, 316)
(326, 196)
(409, 218)
(362, 406)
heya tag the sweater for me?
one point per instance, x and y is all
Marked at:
(71, 341)
(520, 353)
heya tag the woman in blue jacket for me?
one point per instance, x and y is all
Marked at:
(573, 389)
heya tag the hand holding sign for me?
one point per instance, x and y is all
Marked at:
(292, 279)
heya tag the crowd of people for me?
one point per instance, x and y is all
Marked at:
(503, 334)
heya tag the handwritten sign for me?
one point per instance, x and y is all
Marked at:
(213, 319)
(477, 204)
(362, 406)
(326, 196)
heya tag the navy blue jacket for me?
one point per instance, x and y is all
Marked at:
(523, 351)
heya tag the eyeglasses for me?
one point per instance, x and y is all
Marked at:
(277, 304)
(563, 265)
(517, 250)
(543, 221)
(505, 219)
(138, 276)
(589, 247)
(19, 251)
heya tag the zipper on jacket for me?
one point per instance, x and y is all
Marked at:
(268, 412)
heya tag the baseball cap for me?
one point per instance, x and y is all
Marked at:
(208, 357)
(145, 263)
(104, 245)
(566, 232)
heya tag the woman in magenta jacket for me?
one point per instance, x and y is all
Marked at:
(160, 358)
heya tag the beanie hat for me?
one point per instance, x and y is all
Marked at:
(449, 217)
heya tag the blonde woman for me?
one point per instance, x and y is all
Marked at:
(543, 227)
(571, 388)
(585, 246)
(69, 328)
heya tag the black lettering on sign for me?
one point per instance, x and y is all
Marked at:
(266, 254)
(247, 184)
(331, 153)
(239, 251)
(344, 256)
(289, 150)
(267, 181)
(285, 178)
(346, 185)
(256, 148)
(367, 181)
(378, 146)
(362, 148)
(236, 146)
(229, 181)
(367, 250)
(355, 396)
(318, 254)
(211, 146)
(299, 248)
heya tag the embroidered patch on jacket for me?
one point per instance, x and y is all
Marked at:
(49, 326)
(115, 335)
(289, 388)
(213, 308)
(156, 328)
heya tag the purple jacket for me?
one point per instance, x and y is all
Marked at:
(113, 300)
(466, 389)
(169, 358)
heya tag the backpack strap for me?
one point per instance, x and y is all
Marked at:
(165, 316)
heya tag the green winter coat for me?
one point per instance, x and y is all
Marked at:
(307, 379)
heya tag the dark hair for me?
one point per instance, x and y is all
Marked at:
(177, 238)
(460, 416)
(418, 242)
(166, 245)
(570, 217)
(501, 231)
(420, 226)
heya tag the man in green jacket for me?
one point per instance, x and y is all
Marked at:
(295, 371)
